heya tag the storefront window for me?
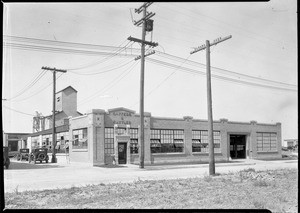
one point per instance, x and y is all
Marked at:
(109, 141)
(200, 141)
(167, 141)
(80, 140)
(134, 141)
(266, 141)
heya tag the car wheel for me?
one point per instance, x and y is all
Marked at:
(7, 163)
(46, 161)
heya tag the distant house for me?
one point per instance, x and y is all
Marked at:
(290, 142)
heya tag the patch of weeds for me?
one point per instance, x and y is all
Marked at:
(248, 170)
(260, 183)
(258, 204)
(207, 178)
(16, 190)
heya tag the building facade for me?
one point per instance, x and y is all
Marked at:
(15, 142)
(102, 137)
(111, 137)
(65, 107)
(290, 142)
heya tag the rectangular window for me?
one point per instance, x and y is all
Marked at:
(166, 141)
(134, 141)
(80, 139)
(266, 141)
(200, 141)
(109, 141)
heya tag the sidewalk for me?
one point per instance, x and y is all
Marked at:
(24, 176)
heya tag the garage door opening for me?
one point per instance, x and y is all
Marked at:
(237, 146)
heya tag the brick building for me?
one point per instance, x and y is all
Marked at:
(101, 137)
(105, 137)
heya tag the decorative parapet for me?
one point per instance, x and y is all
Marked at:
(253, 122)
(95, 111)
(147, 114)
(224, 120)
(278, 124)
(187, 118)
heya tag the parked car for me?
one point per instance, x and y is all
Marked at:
(23, 154)
(39, 154)
(6, 160)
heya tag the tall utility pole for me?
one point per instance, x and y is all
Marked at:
(209, 100)
(54, 70)
(147, 25)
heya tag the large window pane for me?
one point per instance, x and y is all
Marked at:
(80, 139)
(167, 141)
(266, 141)
(200, 141)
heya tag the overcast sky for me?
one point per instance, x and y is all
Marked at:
(254, 72)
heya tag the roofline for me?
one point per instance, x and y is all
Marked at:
(66, 88)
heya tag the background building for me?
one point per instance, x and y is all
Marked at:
(66, 106)
(15, 142)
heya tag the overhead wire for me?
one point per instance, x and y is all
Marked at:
(165, 79)
(100, 72)
(220, 70)
(193, 71)
(109, 85)
(39, 90)
(30, 85)
(104, 59)
(17, 111)
(231, 72)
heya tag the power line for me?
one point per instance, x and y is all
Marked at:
(104, 59)
(189, 70)
(18, 111)
(165, 79)
(170, 56)
(109, 85)
(33, 82)
(39, 90)
(100, 72)
(165, 55)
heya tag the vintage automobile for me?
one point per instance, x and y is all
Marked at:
(6, 160)
(39, 154)
(23, 154)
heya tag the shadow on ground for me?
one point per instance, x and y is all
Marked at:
(111, 166)
(25, 165)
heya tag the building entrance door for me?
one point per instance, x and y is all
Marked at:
(122, 152)
(237, 146)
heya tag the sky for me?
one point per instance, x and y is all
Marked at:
(254, 73)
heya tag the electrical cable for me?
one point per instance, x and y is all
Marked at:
(100, 72)
(39, 90)
(113, 82)
(33, 82)
(17, 111)
(189, 70)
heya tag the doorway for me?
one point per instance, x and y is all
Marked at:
(237, 146)
(122, 153)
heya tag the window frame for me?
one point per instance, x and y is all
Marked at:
(198, 146)
(166, 141)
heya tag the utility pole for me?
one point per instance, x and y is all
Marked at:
(209, 100)
(147, 25)
(54, 70)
